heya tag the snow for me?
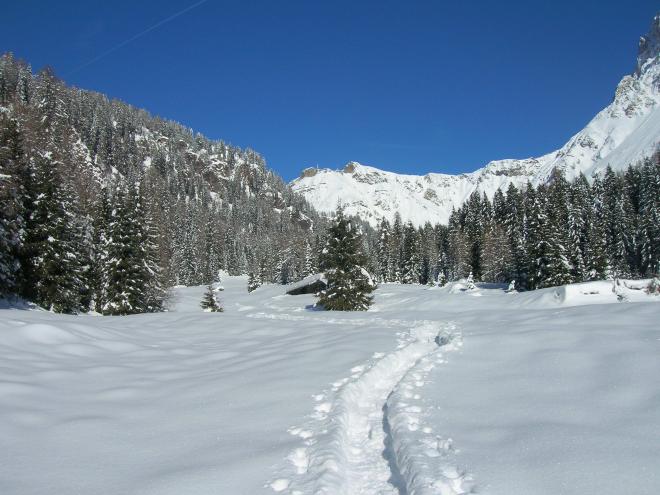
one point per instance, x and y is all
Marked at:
(623, 133)
(430, 391)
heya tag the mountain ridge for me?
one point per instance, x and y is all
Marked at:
(624, 132)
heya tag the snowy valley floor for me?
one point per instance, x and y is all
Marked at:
(433, 391)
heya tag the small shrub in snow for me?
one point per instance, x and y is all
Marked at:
(254, 281)
(209, 302)
(470, 282)
(654, 286)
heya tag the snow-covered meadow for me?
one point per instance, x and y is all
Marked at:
(438, 390)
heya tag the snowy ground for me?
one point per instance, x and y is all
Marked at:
(436, 391)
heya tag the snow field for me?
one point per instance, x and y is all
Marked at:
(431, 391)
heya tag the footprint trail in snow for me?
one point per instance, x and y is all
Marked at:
(366, 434)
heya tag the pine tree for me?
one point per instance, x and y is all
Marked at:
(559, 268)
(649, 225)
(578, 207)
(254, 281)
(117, 265)
(514, 224)
(596, 259)
(212, 244)
(395, 250)
(99, 257)
(11, 206)
(132, 279)
(410, 256)
(469, 282)
(384, 271)
(53, 241)
(209, 302)
(309, 264)
(458, 249)
(497, 256)
(538, 246)
(349, 284)
(147, 268)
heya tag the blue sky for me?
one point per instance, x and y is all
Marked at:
(413, 87)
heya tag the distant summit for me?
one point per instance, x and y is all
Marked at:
(623, 133)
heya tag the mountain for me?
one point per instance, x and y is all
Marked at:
(214, 206)
(624, 132)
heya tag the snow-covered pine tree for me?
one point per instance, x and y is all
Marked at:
(514, 223)
(349, 284)
(117, 260)
(474, 229)
(212, 247)
(396, 252)
(187, 259)
(148, 270)
(309, 263)
(617, 226)
(559, 268)
(578, 211)
(384, 251)
(11, 205)
(410, 255)
(538, 245)
(131, 273)
(596, 260)
(209, 301)
(469, 283)
(254, 281)
(649, 209)
(283, 270)
(53, 241)
(99, 258)
(497, 256)
(458, 248)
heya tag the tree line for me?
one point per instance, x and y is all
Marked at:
(556, 233)
(103, 206)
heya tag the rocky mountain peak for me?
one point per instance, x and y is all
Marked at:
(649, 47)
(623, 133)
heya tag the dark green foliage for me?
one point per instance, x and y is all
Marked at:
(410, 267)
(12, 211)
(254, 281)
(209, 301)
(559, 232)
(205, 205)
(54, 242)
(103, 205)
(130, 270)
(349, 284)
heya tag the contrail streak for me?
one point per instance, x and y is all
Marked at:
(135, 37)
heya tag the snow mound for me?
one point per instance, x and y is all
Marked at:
(596, 292)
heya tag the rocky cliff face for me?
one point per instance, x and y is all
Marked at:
(624, 132)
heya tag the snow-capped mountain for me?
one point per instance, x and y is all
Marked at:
(624, 132)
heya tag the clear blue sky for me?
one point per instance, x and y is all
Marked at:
(409, 86)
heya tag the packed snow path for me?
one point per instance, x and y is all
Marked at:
(362, 438)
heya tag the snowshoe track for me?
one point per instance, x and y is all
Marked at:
(365, 435)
